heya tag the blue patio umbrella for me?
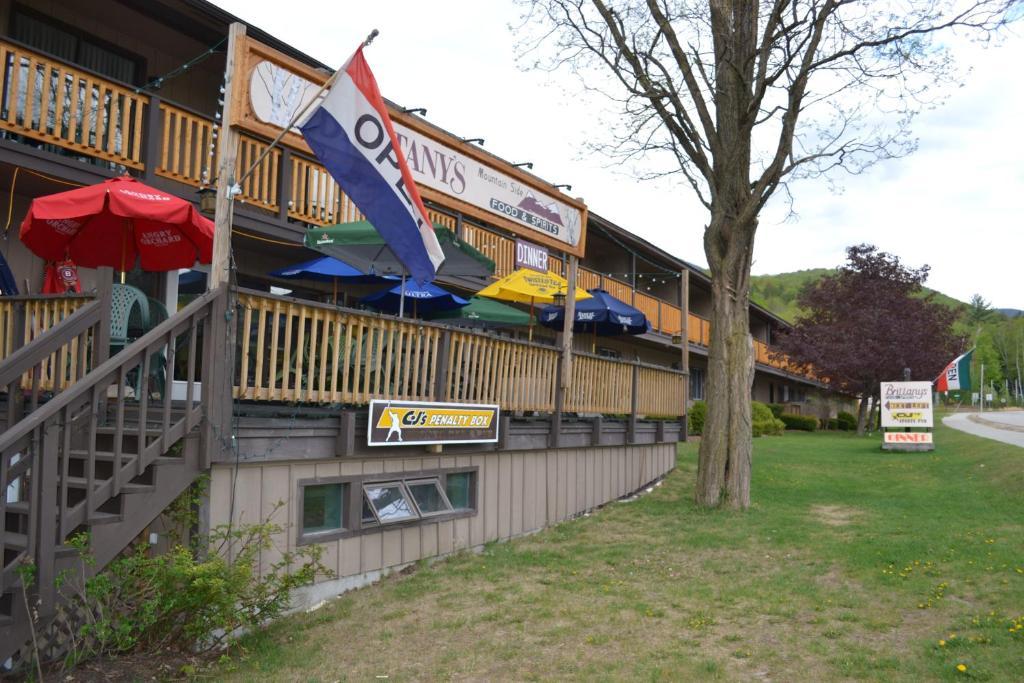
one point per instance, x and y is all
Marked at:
(327, 269)
(602, 314)
(426, 299)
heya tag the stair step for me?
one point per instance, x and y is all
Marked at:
(103, 456)
(22, 508)
(14, 541)
(127, 487)
(103, 518)
(129, 430)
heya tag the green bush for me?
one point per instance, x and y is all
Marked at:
(777, 409)
(806, 423)
(831, 424)
(695, 418)
(847, 421)
(189, 599)
(763, 421)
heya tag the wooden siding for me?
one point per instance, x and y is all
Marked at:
(517, 493)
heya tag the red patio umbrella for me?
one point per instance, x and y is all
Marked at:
(115, 223)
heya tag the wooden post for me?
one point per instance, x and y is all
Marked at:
(284, 185)
(441, 369)
(634, 404)
(564, 371)
(684, 365)
(151, 138)
(570, 316)
(227, 153)
(104, 289)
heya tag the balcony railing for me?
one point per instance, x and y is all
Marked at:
(298, 351)
(48, 101)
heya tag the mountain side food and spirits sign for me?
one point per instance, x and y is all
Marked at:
(906, 404)
(414, 423)
(274, 87)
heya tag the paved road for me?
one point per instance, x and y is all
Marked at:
(1007, 427)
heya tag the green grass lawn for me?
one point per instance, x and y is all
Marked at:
(852, 564)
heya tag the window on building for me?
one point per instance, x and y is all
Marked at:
(345, 506)
(68, 43)
(322, 508)
(428, 496)
(389, 502)
(697, 376)
(459, 488)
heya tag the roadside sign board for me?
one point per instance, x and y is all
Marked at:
(906, 404)
(412, 423)
(908, 437)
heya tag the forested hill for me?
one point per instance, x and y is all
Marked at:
(778, 293)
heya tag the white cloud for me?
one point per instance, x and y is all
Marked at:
(955, 204)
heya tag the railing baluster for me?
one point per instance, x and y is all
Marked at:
(193, 335)
(165, 445)
(90, 465)
(122, 377)
(65, 458)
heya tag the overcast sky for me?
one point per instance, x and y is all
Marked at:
(955, 204)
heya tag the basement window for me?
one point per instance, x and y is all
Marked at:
(322, 506)
(459, 488)
(388, 503)
(430, 499)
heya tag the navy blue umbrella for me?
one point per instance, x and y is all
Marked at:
(8, 286)
(328, 269)
(425, 299)
(602, 314)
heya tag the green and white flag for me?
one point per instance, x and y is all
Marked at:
(957, 374)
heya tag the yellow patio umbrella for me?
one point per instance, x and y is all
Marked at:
(525, 286)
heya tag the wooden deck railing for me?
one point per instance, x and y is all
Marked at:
(188, 148)
(304, 352)
(26, 317)
(49, 101)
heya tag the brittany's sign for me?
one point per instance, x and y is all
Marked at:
(906, 404)
(412, 423)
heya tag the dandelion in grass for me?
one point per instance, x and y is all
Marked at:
(962, 668)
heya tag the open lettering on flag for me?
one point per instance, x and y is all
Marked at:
(956, 375)
(351, 134)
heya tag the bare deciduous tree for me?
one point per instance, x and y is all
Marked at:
(745, 96)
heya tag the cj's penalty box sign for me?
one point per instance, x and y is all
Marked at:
(411, 423)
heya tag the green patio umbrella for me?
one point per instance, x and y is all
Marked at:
(482, 312)
(360, 245)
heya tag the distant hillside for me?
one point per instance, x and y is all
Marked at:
(778, 292)
(1010, 312)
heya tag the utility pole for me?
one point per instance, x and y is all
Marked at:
(981, 390)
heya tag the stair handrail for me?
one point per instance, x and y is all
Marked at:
(24, 427)
(49, 342)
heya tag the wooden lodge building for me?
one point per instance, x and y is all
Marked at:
(117, 399)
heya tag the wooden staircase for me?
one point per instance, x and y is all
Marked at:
(104, 455)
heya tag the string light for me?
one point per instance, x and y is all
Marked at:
(158, 82)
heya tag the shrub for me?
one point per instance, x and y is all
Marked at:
(777, 409)
(831, 423)
(847, 421)
(806, 423)
(763, 421)
(190, 598)
(695, 418)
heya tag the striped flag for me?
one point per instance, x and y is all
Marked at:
(957, 374)
(351, 134)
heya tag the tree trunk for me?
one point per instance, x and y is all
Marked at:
(723, 467)
(862, 416)
(724, 463)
